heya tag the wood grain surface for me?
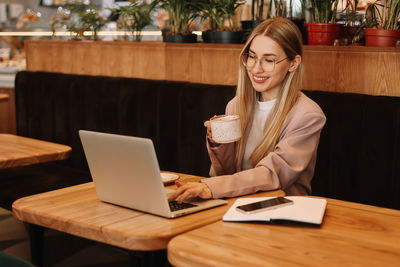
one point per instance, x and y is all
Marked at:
(16, 151)
(78, 211)
(7, 111)
(351, 235)
(4, 97)
(367, 70)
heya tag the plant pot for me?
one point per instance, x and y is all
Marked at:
(228, 37)
(180, 38)
(207, 36)
(300, 23)
(322, 33)
(349, 32)
(380, 37)
(164, 33)
(248, 26)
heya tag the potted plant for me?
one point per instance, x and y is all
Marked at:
(134, 17)
(89, 19)
(223, 26)
(79, 17)
(323, 30)
(257, 15)
(209, 14)
(382, 24)
(298, 16)
(181, 15)
(353, 23)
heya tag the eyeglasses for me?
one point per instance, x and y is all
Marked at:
(267, 64)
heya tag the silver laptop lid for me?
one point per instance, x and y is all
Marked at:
(125, 171)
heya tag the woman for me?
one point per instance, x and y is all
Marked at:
(281, 125)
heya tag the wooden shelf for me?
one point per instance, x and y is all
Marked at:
(368, 70)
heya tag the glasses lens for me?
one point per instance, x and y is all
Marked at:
(250, 61)
(244, 58)
(267, 64)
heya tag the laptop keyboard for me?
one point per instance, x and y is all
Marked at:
(174, 206)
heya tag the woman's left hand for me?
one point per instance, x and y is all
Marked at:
(190, 189)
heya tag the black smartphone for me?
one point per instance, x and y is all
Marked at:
(263, 205)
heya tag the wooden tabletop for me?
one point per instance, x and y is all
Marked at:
(78, 211)
(16, 151)
(351, 235)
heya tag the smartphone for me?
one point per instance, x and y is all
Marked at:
(263, 205)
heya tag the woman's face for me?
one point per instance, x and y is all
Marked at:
(268, 83)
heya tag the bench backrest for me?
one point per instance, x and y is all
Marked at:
(358, 156)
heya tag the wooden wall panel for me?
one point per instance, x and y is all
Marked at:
(366, 70)
(320, 70)
(220, 65)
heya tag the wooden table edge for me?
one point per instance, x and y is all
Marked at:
(178, 258)
(61, 153)
(146, 243)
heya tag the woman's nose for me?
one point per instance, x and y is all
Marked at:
(257, 67)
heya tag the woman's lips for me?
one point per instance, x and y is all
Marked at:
(259, 79)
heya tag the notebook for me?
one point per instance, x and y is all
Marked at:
(125, 172)
(304, 209)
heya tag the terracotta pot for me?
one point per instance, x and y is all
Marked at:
(323, 33)
(380, 37)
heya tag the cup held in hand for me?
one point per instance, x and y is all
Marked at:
(225, 128)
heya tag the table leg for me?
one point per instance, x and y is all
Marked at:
(36, 233)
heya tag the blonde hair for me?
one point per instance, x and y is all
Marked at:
(288, 36)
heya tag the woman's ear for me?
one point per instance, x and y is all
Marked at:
(295, 63)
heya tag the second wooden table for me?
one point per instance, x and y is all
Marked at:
(17, 151)
(351, 235)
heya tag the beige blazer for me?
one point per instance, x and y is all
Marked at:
(289, 167)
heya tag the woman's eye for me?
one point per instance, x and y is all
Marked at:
(252, 56)
(268, 60)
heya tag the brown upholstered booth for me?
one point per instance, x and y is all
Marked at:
(358, 156)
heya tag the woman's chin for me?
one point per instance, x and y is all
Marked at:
(260, 87)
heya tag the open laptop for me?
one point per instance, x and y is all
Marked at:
(125, 172)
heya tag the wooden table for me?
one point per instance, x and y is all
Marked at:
(16, 151)
(78, 211)
(351, 235)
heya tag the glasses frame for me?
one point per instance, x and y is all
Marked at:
(245, 57)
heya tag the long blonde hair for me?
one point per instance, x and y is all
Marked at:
(288, 36)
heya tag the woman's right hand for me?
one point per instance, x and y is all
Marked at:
(209, 134)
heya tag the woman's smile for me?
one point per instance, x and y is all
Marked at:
(259, 79)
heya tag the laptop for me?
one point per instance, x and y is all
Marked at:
(125, 172)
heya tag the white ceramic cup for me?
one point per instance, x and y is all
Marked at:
(225, 128)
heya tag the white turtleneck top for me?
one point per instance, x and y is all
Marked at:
(261, 112)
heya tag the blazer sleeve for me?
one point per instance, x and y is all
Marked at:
(291, 159)
(222, 156)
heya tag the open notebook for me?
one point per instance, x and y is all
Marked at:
(304, 209)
